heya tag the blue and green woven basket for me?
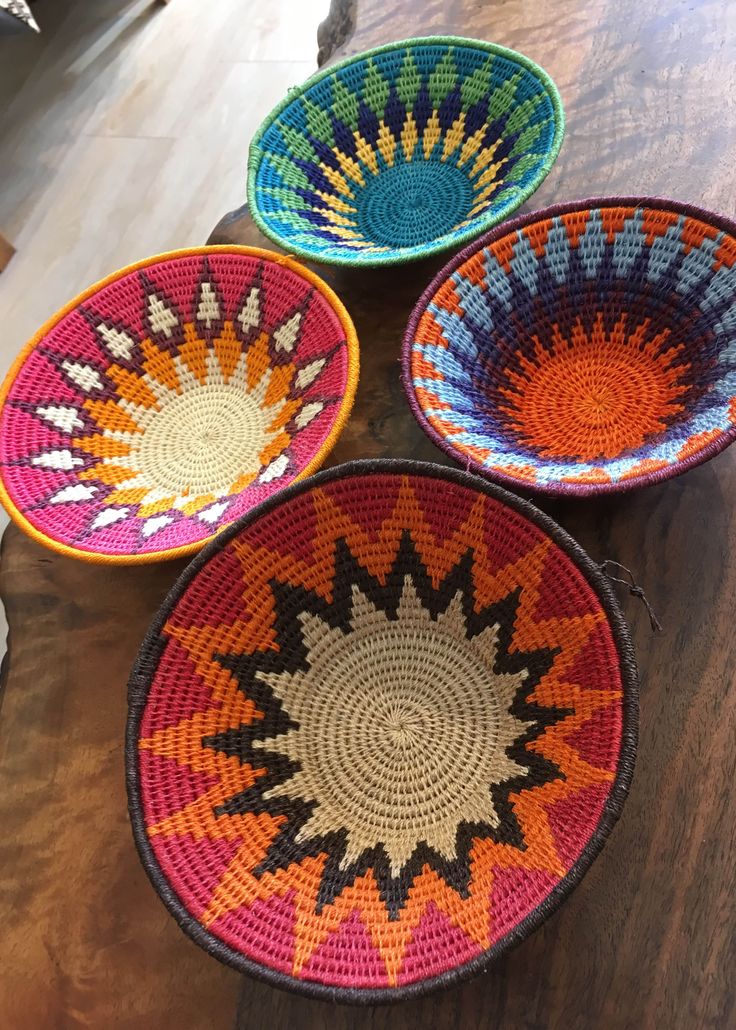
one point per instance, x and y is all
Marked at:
(403, 151)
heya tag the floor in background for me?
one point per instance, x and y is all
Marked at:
(124, 130)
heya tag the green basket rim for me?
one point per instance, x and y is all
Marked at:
(483, 223)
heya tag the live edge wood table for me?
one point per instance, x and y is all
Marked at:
(648, 939)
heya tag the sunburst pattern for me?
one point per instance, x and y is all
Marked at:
(395, 728)
(587, 348)
(397, 723)
(404, 151)
(595, 394)
(171, 399)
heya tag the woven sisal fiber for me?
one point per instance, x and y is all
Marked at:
(403, 151)
(169, 399)
(378, 731)
(586, 348)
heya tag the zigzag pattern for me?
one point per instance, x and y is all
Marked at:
(597, 287)
(212, 817)
(400, 148)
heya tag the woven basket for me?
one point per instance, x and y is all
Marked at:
(167, 400)
(403, 151)
(378, 731)
(587, 348)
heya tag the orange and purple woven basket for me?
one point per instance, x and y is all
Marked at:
(378, 731)
(586, 348)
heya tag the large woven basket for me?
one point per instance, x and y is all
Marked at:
(167, 400)
(586, 348)
(378, 731)
(403, 151)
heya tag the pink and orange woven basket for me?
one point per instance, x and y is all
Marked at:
(170, 398)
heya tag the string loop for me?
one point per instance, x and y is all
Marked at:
(634, 589)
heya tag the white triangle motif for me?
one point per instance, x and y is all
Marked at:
(62, 460)
(286, 334)
(209, 308)
(250, 315)
(308, 413)
(75, 492)
(309, 373)
(276, 469)
(62, 417)
(160, 315)
(84, 376)
(108, 517)
(119, 343)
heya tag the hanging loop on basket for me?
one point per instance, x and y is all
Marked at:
(633, 587)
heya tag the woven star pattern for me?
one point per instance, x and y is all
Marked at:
(171, 401)
(408, 148)
(590, 349)
(247, 798)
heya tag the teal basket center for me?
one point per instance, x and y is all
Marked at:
(414, 203)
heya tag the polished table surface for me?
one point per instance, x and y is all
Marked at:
(649, 937)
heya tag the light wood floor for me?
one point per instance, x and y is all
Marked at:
(124, 131)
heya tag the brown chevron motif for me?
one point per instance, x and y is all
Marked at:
(380, 732)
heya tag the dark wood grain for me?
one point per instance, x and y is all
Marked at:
(336, 29)
(647, 940)
(6, 252)
(84, 940)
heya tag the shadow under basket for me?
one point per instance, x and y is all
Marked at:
(378, 732)
(586, 348)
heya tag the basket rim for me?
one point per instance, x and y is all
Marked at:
(480, 224)
(556, 488)
(146, 664)
(185, 550)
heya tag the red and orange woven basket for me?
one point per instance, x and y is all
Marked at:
(378, 731)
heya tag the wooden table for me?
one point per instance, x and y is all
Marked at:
(648, 939)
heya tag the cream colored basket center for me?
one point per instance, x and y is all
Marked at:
(403, 727)
(205, 439)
